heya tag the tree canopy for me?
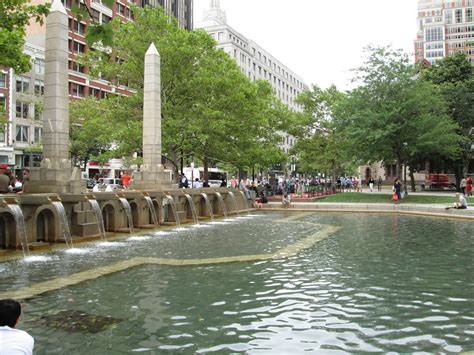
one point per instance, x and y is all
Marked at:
(14, 17)
(210, 110)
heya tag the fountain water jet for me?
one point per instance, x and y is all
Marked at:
(208, 204)
(98, 214)
(234, 202)
(192, 207)
(151, 207)
(222, 203)
(246, 201)
(20, 227)
(173, 208)
(63, 221)
(128, 212)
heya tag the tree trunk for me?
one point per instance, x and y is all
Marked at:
(412, 180)
(205, 162)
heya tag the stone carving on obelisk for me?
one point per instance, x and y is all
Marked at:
(152, 174)
(56, 174)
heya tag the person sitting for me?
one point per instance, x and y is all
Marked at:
(13, 341)
(196, 184)
(286, 199)
(461, 204)
(258, 203)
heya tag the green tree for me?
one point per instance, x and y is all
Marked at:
(392, 116)
(454, 76)
(14, 17)
(321, 145)
(209, 109)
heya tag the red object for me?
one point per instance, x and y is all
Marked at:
(125, 180)
(395, 197)
(3, 166)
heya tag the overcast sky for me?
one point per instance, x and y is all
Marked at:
(321, 40)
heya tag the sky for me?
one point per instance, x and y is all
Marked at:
(321, 40)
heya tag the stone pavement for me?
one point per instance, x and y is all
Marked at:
(438, 210)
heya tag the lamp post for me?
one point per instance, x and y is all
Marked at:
(192, 173)
(405, 144)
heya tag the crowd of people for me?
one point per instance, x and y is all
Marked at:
(9, 183)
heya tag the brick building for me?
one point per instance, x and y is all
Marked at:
(21, 95)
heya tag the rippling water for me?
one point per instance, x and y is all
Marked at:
(382, 283)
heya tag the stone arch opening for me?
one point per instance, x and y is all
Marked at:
(46, 226)
(7, 231)
(135, 215)
(108, 215)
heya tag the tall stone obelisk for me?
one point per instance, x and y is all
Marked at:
(56, 174)
(152, 174)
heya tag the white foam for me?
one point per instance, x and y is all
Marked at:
(111, 244)
(138, 239)
(181, 229)
(77, 251)
(36, 259)
(161, 233)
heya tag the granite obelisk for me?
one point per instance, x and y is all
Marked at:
(152, 174)
(56, 174)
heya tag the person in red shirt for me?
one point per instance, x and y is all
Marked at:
(125, 180)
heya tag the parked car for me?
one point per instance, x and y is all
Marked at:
(114, 183)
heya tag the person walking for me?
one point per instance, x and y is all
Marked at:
(379, 184)
(469, 186)
(371, 184)
(397, 187)
(13, 341)
(463, 185)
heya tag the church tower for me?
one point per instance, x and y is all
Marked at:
(215, 14)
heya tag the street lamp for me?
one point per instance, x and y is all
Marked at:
(192, 173)
(405, 144)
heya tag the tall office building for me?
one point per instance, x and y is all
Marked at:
(254, 61)
(21, 95)
(444, 27)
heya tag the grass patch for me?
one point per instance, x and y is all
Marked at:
(361, 197)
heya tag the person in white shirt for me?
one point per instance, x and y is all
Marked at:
(196, 184)
(13, 341)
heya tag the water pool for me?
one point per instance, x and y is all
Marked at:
(375, 283)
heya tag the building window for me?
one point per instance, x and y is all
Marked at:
(95, 15)
(434, 34)
(458, 15)
(39, 66)
(22, 133)
(38, 134)
(79, 27)
(76, 67)
(22, 84)
(106, 19)
(39, 87)
(76, 90)
(3, 80)
(79, 47)
(469, 15)
(22, 109)
(67, 3)
(38, 114)
(2, 135)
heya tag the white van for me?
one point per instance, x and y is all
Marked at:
(216, 177)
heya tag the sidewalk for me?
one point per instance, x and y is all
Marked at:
(420, 209)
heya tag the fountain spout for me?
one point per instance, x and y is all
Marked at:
(222, 203)
(98, 215)
(63, 221)
(12, 205)
(208, 204)
(173, 208)
(128, 211)
(192, 208)
(151, 208)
